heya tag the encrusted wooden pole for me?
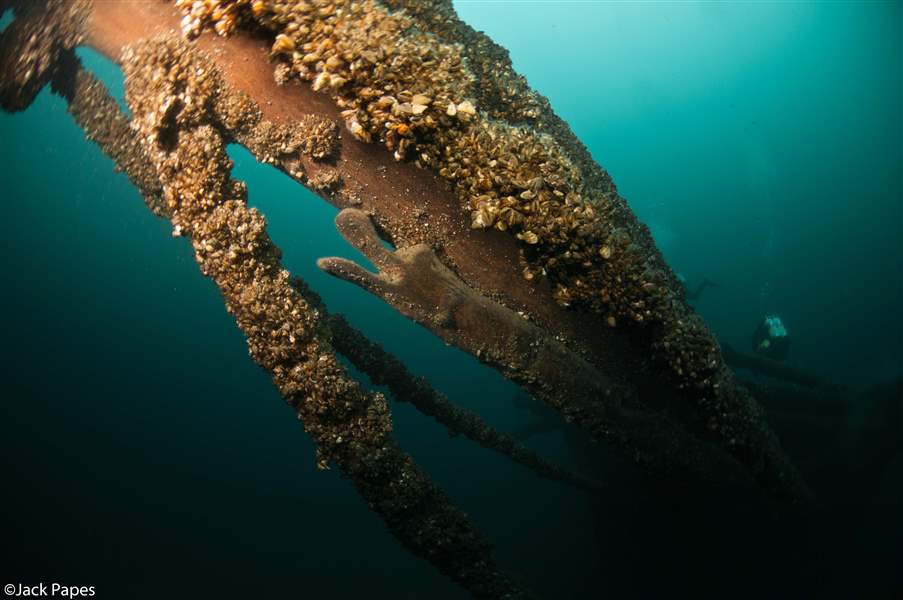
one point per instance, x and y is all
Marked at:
(505, 199)
(179, 113)
(179, 163)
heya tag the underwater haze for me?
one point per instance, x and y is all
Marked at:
(146, 454)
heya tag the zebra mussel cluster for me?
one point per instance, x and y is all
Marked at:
(413, 93)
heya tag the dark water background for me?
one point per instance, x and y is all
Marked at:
(144, 453)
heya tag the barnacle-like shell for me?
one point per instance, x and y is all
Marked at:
(529, 236)
(466, 108)
(283, 44)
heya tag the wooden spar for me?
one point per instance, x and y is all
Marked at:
(669, 374)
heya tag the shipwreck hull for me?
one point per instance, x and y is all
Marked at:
(552, 281)
(654, 390)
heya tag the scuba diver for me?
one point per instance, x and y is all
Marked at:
(770, 339)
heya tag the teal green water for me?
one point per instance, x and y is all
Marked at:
(145, 453)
